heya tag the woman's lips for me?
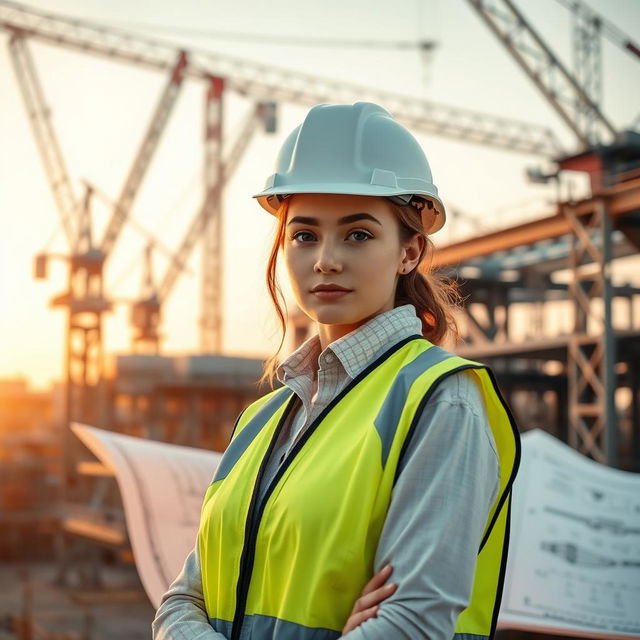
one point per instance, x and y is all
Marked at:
(330, 294)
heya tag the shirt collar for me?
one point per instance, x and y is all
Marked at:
(355, 350)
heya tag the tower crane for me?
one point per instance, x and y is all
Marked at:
(146, 310)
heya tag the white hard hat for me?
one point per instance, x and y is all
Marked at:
(354, 149)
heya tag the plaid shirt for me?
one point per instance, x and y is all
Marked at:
(449, 478)
(339, 363)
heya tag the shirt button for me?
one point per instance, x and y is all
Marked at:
(329, 357)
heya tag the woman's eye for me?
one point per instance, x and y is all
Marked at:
(295, 235)
(364, 233)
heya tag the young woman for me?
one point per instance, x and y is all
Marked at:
(381, 451)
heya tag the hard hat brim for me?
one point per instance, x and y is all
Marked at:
(432, 219)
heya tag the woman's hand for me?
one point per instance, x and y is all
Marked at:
(366, 605)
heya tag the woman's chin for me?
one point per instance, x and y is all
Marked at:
(333, 316)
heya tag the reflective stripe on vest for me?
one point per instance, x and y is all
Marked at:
(293, 565)
(256, 626)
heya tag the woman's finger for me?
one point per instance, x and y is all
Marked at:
(374, 597)
(377, 580)
(356, 619)
(366, 606)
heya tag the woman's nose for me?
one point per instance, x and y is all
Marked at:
(328, 259)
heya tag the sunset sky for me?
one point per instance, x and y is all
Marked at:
(101, 109)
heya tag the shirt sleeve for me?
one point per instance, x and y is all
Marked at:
(448, 480)
(182, 614)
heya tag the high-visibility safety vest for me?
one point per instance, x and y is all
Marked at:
(291, 566)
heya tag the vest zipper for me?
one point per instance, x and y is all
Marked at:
(253, 520)
(248, 550)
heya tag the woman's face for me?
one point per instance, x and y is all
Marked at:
(347, 240)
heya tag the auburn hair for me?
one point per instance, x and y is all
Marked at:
(435, 297)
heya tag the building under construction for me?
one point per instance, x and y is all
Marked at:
(580, 381)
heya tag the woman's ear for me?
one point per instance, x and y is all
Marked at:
(413, 249)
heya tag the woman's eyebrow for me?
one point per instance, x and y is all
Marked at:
(346, 220)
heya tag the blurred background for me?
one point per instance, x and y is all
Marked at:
(133, 257)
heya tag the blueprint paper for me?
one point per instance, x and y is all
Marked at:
(162, 488)
(574, 553)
